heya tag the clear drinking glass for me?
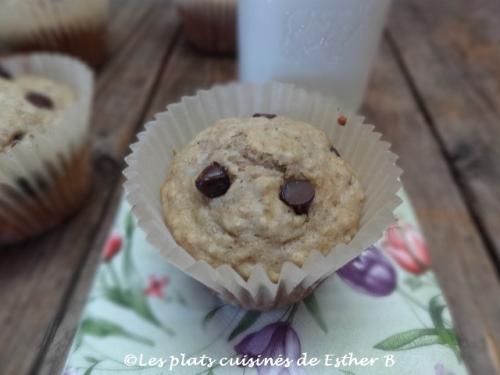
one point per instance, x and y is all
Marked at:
(328, 45)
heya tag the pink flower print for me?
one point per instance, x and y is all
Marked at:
(407, 247)
(155, 286)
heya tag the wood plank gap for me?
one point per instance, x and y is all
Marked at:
(465, 194)
(158, 78)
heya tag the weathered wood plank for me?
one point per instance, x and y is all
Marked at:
(38, 278)
(63, 330)
(451, 50)
(460, 258)
(124, 18)
(189, 71)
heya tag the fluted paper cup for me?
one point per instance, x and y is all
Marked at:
(357, 142)
(75, 27)
(44, 177)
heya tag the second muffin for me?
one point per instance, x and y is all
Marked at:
(74, 27)
(262, 190)
(44, 149)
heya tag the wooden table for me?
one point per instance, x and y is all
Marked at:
(435, 94)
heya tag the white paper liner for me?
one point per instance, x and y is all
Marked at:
(357, 143)
(210, 24)
(40, 153)
(71, 26)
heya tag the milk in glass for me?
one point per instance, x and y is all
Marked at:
(327, 45)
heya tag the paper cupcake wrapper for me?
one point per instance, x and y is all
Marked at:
(76, 27)
(209, 24)
(42, 177)
(358, 144)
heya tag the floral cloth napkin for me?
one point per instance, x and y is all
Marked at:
(382, 313)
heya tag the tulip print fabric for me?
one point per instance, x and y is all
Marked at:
(382, 313)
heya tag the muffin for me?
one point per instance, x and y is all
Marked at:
(263, 190)
(208, 199)
(209, 25)
(44, 153)
(76, 27)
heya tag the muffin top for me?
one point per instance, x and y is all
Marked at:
(29, 104)
(260, 190)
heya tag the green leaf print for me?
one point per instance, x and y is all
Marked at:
(129, 269)
(116, 295)
(208, 317)
(90, 369)
(104, 328)
(246, 322)
(314, 309)
(446, 336)
(410, 339)
(135, 299)
(421, 337)
(91, 359)
(413, 282)
(436, 308)
(132, 295)
(129, 225)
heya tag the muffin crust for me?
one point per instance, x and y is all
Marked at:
(250, 224)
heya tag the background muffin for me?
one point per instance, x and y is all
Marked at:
(260, 191)
(75, 27)
(44, 149)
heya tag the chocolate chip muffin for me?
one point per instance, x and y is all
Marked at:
(44, 148)
(76, 27)
(262, 190)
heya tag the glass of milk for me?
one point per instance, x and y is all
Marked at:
(326, 45)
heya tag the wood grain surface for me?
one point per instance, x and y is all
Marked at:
(460, 259)
(434, 94)
(451, 52)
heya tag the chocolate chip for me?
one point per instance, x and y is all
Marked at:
(4, 73)
(270, 116)
(333, 149)
(342, 120)
(39, 100)
(213, 181)
(297, 194)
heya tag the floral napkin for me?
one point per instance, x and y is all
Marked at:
(382, 313)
